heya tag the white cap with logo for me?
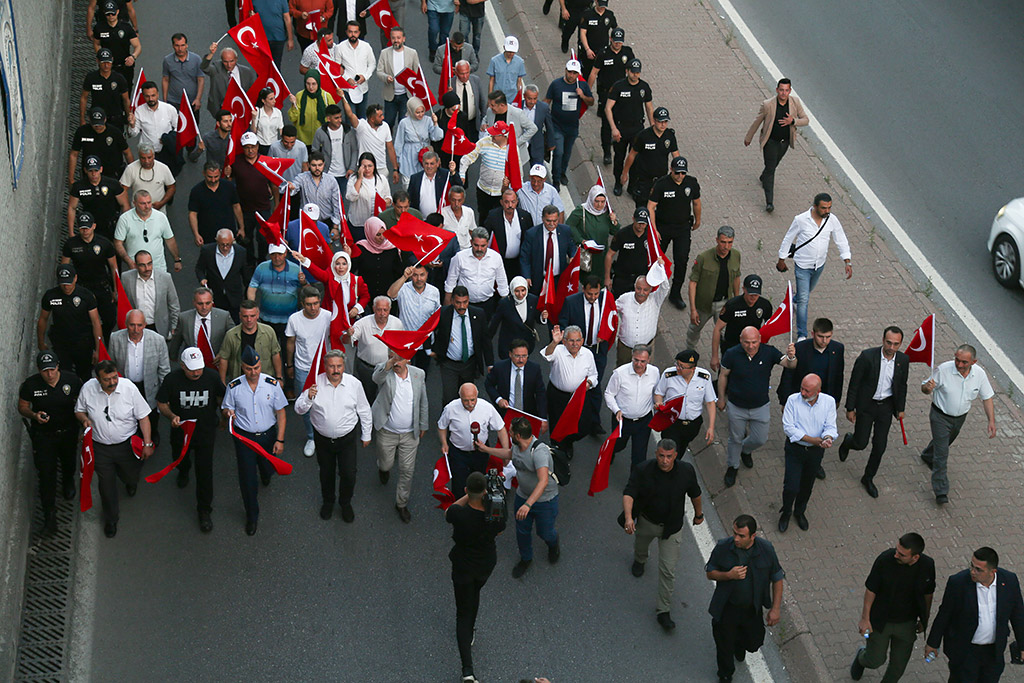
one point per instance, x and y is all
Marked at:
(192, 357)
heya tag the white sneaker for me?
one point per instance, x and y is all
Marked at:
(800, 339)
(309, 449)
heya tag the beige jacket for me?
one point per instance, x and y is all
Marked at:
(766, 119)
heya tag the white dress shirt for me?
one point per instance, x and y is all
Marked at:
(428, 202)
(455, 340)
(479, 275)
(115, 416)
(154, 123)
(520, 372)
(567, 372)
(883, 389)
(590, 331)
(224, 263)
(631, 393)
(357, 61)
(198, 324)
(556, 260)
(953, 392)
(368, 347)
(813, 255)
(697, 392)
(638, 323)
(336, 409)
(460, 226)
(400, 417)
(145, 297)
(513, 236)
(985, 634)
(133, 363)
(800, 418)
(466, 94)
(458, 421)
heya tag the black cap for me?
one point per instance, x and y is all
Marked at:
(46, 360)
(752, 283)
(688, 356)
(104, 55)
(678, 164)
(635, 66)
(618, 34)
(110, 7)
(93, 163)
(84, 219)
(661, 114)
(97, 115)
(66, 274)
(602, 3)
(641, 215)
(249, 356)
(449, 99)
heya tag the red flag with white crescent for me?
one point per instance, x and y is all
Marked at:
(569, 421)
(548, 295)
(418, 237)
(568, 284)
(332, 76)
(382, 16)
(781, 321)
(447, 72)
(442, 479)
(272, 167)
(407, 342)
(599, 479)
(312, 244)
(280, 466)
(237, 102)
(666, 414)
(137, 99)
(88, 458)
(187, 128)
(270, 77)
(609, 318)
(922, 345)
(314, 21)
(379, 205)
(317, 366)
(187, 428)
(513, 167)
(252, 41)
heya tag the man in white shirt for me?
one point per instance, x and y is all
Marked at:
(153, 120)
(809, 422)
(115, 411)
(638, 317)
(371, 351)
(356, 57)
(571, 365)
(373, 135)
(146, 173)
(953, 386)
(335, 403)
(481, 270)
(306, 330)
(458, 217)
(630, 398)
(463, 423)
(808, 235)
(417, 300)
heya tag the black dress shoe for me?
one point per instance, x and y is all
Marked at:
(783, 522)
(666, 621)
(325, 510)
(677, 301)
(844, 447)
(384, 476)
(607, 158)
(801, 521)
(941, 499)
(856, 668)
(69, 490)
(250, 527)
(554, 552)
(769, 207)
(50, 522)
(520, 568)
(637, 569)
(870, 487)
(740, 654)
(403, 514)
(748, 459)
(617, 190)
(820, 474)
(565, 48)
(547, 6)
(131, 489)
(182, 479)
(265, 478)
(347, 513)
(110, 529)
(599, 431)
(928, 460)
(205, 523)
(730, 476)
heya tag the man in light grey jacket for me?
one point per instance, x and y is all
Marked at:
(399, 422)
(141, 356)
(498, 110)
(152, 291)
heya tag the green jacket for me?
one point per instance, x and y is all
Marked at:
(266, 346)
(705, 274)
(598, 228)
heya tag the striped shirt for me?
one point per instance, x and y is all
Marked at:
(492, 165)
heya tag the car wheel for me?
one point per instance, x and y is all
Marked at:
(1006, 261)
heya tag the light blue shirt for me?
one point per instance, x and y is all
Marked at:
(272, 17)
(800, 418)
(278, 290)
(414, 307)
(506, 74)
(443, 6)
(255, 411)
(455, 342)
(533, 203)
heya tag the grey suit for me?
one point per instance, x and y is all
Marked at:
(218, 87)
(155, 364)
(184, 335)
(391, 444)
(525, 128)
(386, 67)
(479, 94)
(165, 317)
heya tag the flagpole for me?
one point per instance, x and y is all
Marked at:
(426, 255)
(789, 293)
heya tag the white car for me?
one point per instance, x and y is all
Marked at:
(1005, 242)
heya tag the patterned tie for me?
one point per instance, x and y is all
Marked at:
(517, 403)
(465, 340)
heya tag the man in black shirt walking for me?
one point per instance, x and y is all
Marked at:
(95, 260)
(897, 603)
(607, 70)
(675, 203)
(76, 323)
(107, 89)
(627, 106)
(102, 196)
(648, 158)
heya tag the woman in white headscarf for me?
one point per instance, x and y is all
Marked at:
(516, 317)
(340, 284)
(595, 221)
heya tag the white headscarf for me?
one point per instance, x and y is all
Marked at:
(595, 192)
(345, 281)
(520, 304)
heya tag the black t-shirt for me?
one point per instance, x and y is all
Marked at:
(107, 92)
(598, 27)
(749, 377)
(116, 38)
(722, 285)
(674, 200)
(899, 588)
(57, 401)
(652, 152)
(780, 132)
(474, 554)
(661, 496)
(101, 201)
(612, 67)
(197, 399)
(214, 209)
(628, 110)
(631, 258)
(69, 314)
(109, 146)
(742, 594)
(248, 339)
(736, 315)
(91, 261)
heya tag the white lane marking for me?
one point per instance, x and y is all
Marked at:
(957, 306)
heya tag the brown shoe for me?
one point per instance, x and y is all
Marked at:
(403, 513)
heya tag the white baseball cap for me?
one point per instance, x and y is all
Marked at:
(278, 248)
(511, 44)
(312, 210)
(539, 170)
(192, 357)
(573, 65)
(249, 138)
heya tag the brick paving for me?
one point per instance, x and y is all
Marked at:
(699, 72)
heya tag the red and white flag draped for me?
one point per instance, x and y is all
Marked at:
(922, 345)
(609, 317)
(237, 102)
(255, 47)
(407, 342)
(442, 483)
(332, 77)
(657, 274)
(781, 321)
(246, 9)
(513, 169)
(416, 85)
(548, 298)
(455, 141)
(568, 284)
(599, 479)
(272, 167)
(317, 367)
(187, 128)
(275, 226)
(667, 413)
(421, 239)
(137, 99)
(88, 458)
(382, 16)
(187, 428)
(280, 466)
(312, 244)
(569, 421)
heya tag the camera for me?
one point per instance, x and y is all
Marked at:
(494, 497)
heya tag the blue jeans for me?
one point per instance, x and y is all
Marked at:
(545, 514)
(474, 24)
(806, 281)
(439, 25)
(300, 379)
(563, 141)
(358, 107)
(393, 113)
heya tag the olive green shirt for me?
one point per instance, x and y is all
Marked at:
(266, 346)
(705, 274)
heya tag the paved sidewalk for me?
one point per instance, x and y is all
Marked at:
(697, 70)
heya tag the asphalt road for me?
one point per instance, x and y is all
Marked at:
(924, 98)
(307, 599)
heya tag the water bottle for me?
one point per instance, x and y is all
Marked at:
(929, 658)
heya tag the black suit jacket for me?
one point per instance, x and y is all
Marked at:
(440, 178)
(957, 619)
(864, 380)
(574, 313)
(228, 292)
(495, 224)
(512, 326)
(531, 253)
(482, 351)
(499, 385)
(831, 385)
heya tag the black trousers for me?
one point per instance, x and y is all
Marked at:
(557, 401)
(600, 351)
(76, 355)
(50, 451)
(485, 202)
(113, 462)
(467, 604)
(623, 146)
(422, 361)
(624, 282)
(773, 151)
(876, 414)
(364, 372)
(802, 464)
(640, 189)
(489, 306)
(981, 665)
(683, 432)
(569, 26)
(606, 128)
(200, 448)
(231, 8)
(455, 373)
(249, 464)
(679, 236)
(639, 433)
(336, 457)
(462, 464)
(740, 629)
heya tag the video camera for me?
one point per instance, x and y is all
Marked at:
(495, 509)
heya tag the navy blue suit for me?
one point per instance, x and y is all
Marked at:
(440, 178)
(495, 224)
(541, 140)
(499, 385)
(831, 383)
(531, 253)
(512, 327)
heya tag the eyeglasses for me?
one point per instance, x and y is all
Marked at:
(106, 413)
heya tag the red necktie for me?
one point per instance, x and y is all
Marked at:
(549, 254)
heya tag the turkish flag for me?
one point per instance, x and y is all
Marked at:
(569, 421)
(270, 77)
(407, 342)
(609, 318)
(568, 284)
(455, 140)
(669, 412)
(88, 463)
(251, 39)
(237, 102)
(517, 101)
(535, 422)
(656, 273)
(513, 167)
(447, 72)
(123, 304)
(137, 99)
(318, 366)
(781, 321)
(332, 77)
(548, 295)
(599, 479)
(312, 244)
(379, 205)
(203, 342)
(443, 202)
(382, 16)
(187, 129)
(187, 428)
(579, 78)
(416, 85)
(273, 167)
(271, 229)
(247, 10)
(314, 20)
(922, 345)
(418, 237)
(101, 352)
(442, 477)
(280, 466)
(346, 233)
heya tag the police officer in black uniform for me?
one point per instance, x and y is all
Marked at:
(675, 203)
(628, 248)
(628, 104)
(106, 89)
(98, 139)
(749, 309)
(569, 19)
(595, 26)
(609, 68)
(118, 36)
(100, 195)
(95, 262)
(47, 402)
(76, 323)
(648, 158)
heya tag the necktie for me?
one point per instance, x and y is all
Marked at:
(205, 328)
(590, 327)
(517, 402)
(465, 340)
(465, 99)
(549, 254)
